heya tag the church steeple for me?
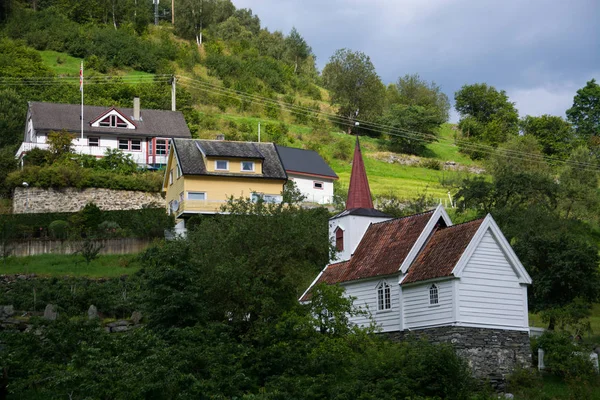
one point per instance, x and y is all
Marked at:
(359, 194)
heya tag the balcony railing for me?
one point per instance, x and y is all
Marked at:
(200, 206)
(97, 151)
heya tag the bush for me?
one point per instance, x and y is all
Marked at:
(342, 150)
(431, 163)
(563, 357)
(109, 229)
(59, 229)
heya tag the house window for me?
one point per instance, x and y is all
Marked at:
(318, 185)
(113, 121)
(136, 145)
(267, 198)
(161, 147)
(339, 239)
(222, 165)
(93, 141)
(170, 177)
(181, 197)
(123, 144)
(384, 298)
(247, 166)
(196, 195)
(433, 295)
(178, 171)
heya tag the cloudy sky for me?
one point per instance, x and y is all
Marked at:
(539, 51)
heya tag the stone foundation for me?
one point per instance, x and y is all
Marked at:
(492, 354)
(36, 200)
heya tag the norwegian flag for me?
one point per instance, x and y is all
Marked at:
(81, 78)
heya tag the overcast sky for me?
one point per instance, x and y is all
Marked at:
(539, 51)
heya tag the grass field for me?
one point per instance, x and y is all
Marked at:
(536, 320)
(71, 265)
(64, 65)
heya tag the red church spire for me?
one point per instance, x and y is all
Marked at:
(359, 194)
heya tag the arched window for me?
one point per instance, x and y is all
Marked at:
(339, 239)
(384, 298)
(433, 295)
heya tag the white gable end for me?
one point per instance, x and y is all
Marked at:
(113, 119)
(490, 290)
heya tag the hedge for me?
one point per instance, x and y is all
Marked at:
(63, 176)
(143, 223)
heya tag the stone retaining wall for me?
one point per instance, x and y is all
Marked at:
(37, 200)
(492, 354)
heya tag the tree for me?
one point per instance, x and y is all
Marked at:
(354, 86)
(417, 106)
(297, 49)
(194, 16)
(61, 144)
(554, 134)
(487, 117)
(585, 113)
(579, 186)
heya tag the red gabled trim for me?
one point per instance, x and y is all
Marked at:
(113, 108)
(289, 171)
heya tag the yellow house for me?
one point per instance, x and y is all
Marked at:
(202, 174)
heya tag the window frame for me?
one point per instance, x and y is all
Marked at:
(119, 140)
(315, 183)
(170, 177)
(187, 196)
(339, 239)
(158, 147)
(96, 138)
(221, 169)
(131, 144)
(384, 297)
(247, 170)
(434, 295)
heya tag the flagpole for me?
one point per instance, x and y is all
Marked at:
(81, 89)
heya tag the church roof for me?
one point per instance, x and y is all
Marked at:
(359, 193)
(440, 255)
(381, 251)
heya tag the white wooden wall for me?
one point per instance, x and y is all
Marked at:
(354, 227)
(366, 298)
(418, 313)
(306, 186)
(489, 290)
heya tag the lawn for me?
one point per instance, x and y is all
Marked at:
(65, 65)
(71, 265)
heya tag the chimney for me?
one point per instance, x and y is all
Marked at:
(136, 108)
(220, 136)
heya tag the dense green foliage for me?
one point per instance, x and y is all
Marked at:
(585, 114)
(486, 117)
(256, 341)
(145, 222)
(355, 87)
(554, 134)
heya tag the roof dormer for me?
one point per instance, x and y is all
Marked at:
(113, 118)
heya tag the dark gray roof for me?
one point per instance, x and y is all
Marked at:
(55, 117)
(365, 212)
(221, 148)
(304, 162)
(192, 162)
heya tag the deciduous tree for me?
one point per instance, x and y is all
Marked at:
(554, 134)
(354, 85)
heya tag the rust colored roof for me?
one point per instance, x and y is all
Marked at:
(442, 252)
(381, 251)
(359, 194)
(330, 276)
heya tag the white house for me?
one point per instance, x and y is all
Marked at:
(311, 174)
(423, 274)
(142, 133)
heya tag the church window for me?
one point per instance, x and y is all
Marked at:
(339, 239)
(433, 295)
(384, 299)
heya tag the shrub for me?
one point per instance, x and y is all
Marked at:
(342, 150)
(109, 229)
(563, 357)
(59, 229)
(276, 132)
(431, 163)
(272, 110)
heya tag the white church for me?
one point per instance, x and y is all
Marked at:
(423, 275)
